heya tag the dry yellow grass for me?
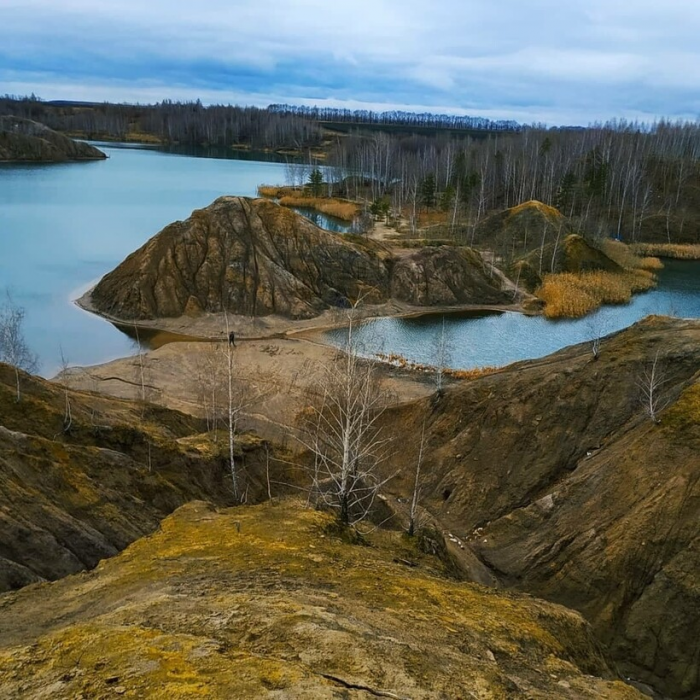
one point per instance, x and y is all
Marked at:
(572, 295)
(669, 250)
(339, 208)
(280, 191)
(626, 257)
(550, 212)
(269, 190)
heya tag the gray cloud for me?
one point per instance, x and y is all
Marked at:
(541, 60)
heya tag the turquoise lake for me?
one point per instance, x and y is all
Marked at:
(63, 226)
(497, 339)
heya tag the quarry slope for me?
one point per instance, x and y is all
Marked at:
(71, 495)
(29, 141)
(269, 602)
(252, 257)
(554, 476)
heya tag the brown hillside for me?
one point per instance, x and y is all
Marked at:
(25, 140)
(577, 496)
(254, 258)
(70, 499)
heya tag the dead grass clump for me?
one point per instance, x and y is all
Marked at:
(269, 190)
(471, 373)
(669, 250)
(533, 204)
(339, 208)
(650, 264)
(575, 294)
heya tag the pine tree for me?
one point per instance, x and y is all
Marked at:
(316, 182)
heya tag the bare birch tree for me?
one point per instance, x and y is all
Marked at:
(442, 355)
(650, 382)
(13, 346)
(598, 328)
(343, 433)
(232, 413)
(413, 511)
(67, 413)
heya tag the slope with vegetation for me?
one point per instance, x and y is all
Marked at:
(270, 601)
(22, 140)
(555, 473)
(82, 475)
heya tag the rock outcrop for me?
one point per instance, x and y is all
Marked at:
(24, 140)
(444, 275)
(568, 491)
(74, 493)
(253, 257)
(270, 602)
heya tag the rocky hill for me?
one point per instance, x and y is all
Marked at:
(74, 492)
(270, 602)
(25, 140)
(254, 258)
(565, 489)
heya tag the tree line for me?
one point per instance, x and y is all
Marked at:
(187, 123)
(619, 179)
(396, 117)
(632, 181)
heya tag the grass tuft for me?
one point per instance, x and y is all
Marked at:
(339, 208)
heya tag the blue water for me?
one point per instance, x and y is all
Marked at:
(494, 340)
(330, 223)
(63, 226)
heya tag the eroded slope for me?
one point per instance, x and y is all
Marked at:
(267, 601)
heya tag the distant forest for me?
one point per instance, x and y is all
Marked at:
(193, 124)
(636, 182)
(621, 180)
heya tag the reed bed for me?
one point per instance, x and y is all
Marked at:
(339, 208)
(269, 190)
(689, 251)
(628, 258)
(575, 294)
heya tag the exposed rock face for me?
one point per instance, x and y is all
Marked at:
(268, 602)
(25, 140)
(445, 275)
(582, 499)
(253, 257)
(70, 499)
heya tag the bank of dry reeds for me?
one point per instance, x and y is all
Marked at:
(339, 208)
(628, 258)
(688, 251)
(575, 294)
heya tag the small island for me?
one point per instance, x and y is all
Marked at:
(24, 140)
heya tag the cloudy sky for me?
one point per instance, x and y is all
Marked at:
(531, 60)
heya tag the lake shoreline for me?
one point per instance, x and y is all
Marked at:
(210, 326)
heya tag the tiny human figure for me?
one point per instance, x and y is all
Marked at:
(232, 338)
